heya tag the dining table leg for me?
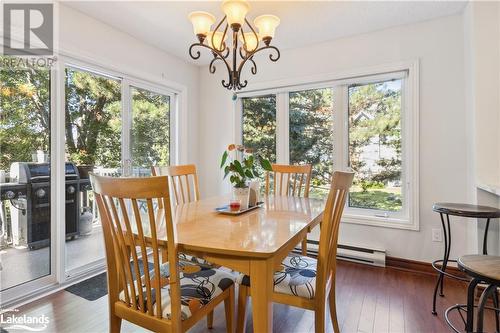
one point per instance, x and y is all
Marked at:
(262, 284)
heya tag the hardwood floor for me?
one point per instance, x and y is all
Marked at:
(369, 299)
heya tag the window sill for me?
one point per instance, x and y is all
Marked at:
(384, 222)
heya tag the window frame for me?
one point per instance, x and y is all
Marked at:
(127, 81)
(408, 72)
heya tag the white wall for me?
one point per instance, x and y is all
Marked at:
(87, 38)
(482, 65)
(439, 46)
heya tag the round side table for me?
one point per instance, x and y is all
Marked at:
(482, 269)
(446, 209)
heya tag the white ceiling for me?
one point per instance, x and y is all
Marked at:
(165, 24)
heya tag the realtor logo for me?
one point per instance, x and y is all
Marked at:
(28, 29)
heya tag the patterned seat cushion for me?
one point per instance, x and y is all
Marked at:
(297, 277)
(199, 285)
(195, 260)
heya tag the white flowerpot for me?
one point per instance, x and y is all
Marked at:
(254, 193)
(242, 194)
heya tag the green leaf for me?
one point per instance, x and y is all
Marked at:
(249, 161)
(266, 165)
(239, 168)
(248, 173)
(226, 171)
(224, 159)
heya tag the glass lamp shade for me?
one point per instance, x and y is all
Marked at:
(267, 25)
(218, 43)
(202, 22)
(250, 41)
(236, 11)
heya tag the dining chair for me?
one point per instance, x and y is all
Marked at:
(179, 177)
(288, 180)
(303, 281)
(182, 192)
(166, 295)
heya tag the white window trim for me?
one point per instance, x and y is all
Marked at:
(338, 82)
(126, 84)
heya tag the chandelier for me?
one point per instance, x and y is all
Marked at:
(251, 41)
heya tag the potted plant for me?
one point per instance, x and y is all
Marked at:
(84, 162)
(241, 169)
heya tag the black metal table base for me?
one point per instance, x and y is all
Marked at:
(462, 309)
(490, 291)
(446, 258)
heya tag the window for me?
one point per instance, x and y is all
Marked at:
(25, 138)
(367, 123)
(259, 125)
(106, 119)
(93, 119)
(375, 145)
(93, 126)
(311, 135)
(113, 126)
(150, 133)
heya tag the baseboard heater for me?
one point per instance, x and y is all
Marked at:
(352, 253)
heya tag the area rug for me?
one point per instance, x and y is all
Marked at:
(95, 287)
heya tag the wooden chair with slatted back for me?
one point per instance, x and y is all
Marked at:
(316, 276)
(135, 237)
(179, 176)
(289, 180)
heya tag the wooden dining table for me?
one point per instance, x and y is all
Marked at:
(253, 243)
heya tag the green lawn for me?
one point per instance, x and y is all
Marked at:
(382, 199)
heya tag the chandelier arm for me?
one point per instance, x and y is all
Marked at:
(198, 54)
(224, 36)
(219, 24)
(218, 54)
(254, 66)
(278, 54)
(211, 67)
(255, 33)
(251, 54)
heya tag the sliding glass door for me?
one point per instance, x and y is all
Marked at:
(150, 130)
(25, 176)
(113, 127)
(110, 123)
(93, 126)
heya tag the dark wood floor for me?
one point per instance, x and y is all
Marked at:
(369, 299)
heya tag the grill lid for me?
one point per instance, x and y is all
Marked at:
(28, 172)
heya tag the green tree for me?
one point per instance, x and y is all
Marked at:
(375, 119)
(93, 122)
(150, 128)
(311, 134)
(259, 125)
(24, 114)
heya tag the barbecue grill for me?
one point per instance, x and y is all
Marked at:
(31, 225)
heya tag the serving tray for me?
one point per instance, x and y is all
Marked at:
(227, 211)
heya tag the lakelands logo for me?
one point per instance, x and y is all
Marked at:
(28, 29)
(10, 321)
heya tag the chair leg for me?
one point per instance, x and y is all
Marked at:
(115, 323)
(210, 320)
(319, 318)
(333, 309)
(229, 307)
(304, 246)
(242, 309)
